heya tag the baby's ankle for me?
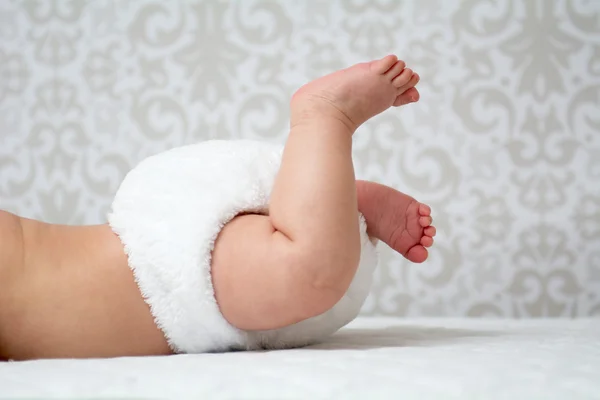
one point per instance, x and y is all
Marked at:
(306, 108)
(321, 125)
(320, 116)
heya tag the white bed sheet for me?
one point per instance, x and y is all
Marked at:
(369, 359)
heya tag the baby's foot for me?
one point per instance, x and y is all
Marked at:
(355, 94)
(398, 220)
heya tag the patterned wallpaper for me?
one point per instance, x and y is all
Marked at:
(505, 143)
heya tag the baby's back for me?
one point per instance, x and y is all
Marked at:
(11, 260)
(67, 291)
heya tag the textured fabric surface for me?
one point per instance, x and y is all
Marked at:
(505, 143)
(370, 359)
(168, 213)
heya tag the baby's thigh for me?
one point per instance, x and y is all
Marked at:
(262, 278)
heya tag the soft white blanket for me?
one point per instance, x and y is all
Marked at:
(369, 359)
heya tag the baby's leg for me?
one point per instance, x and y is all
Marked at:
(269, 272)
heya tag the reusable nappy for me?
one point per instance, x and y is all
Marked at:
(168, 212)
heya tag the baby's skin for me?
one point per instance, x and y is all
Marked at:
(68, 291)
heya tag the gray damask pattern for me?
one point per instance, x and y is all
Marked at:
(505, 144)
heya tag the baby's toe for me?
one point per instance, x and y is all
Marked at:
(383, 65)
(403, 79)
(417, 254)
(425, 221)
(424, 210)
(429, 231)
(414, 79)
(426, 241)
(410, 96)
(396, 70)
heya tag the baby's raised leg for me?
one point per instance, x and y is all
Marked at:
(269, 272)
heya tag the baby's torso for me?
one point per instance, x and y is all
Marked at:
(72, 294)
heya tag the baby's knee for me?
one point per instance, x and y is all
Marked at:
(323, 276)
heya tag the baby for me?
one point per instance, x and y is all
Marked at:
(277, 266)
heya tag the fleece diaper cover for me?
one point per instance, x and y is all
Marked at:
(168, 212)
